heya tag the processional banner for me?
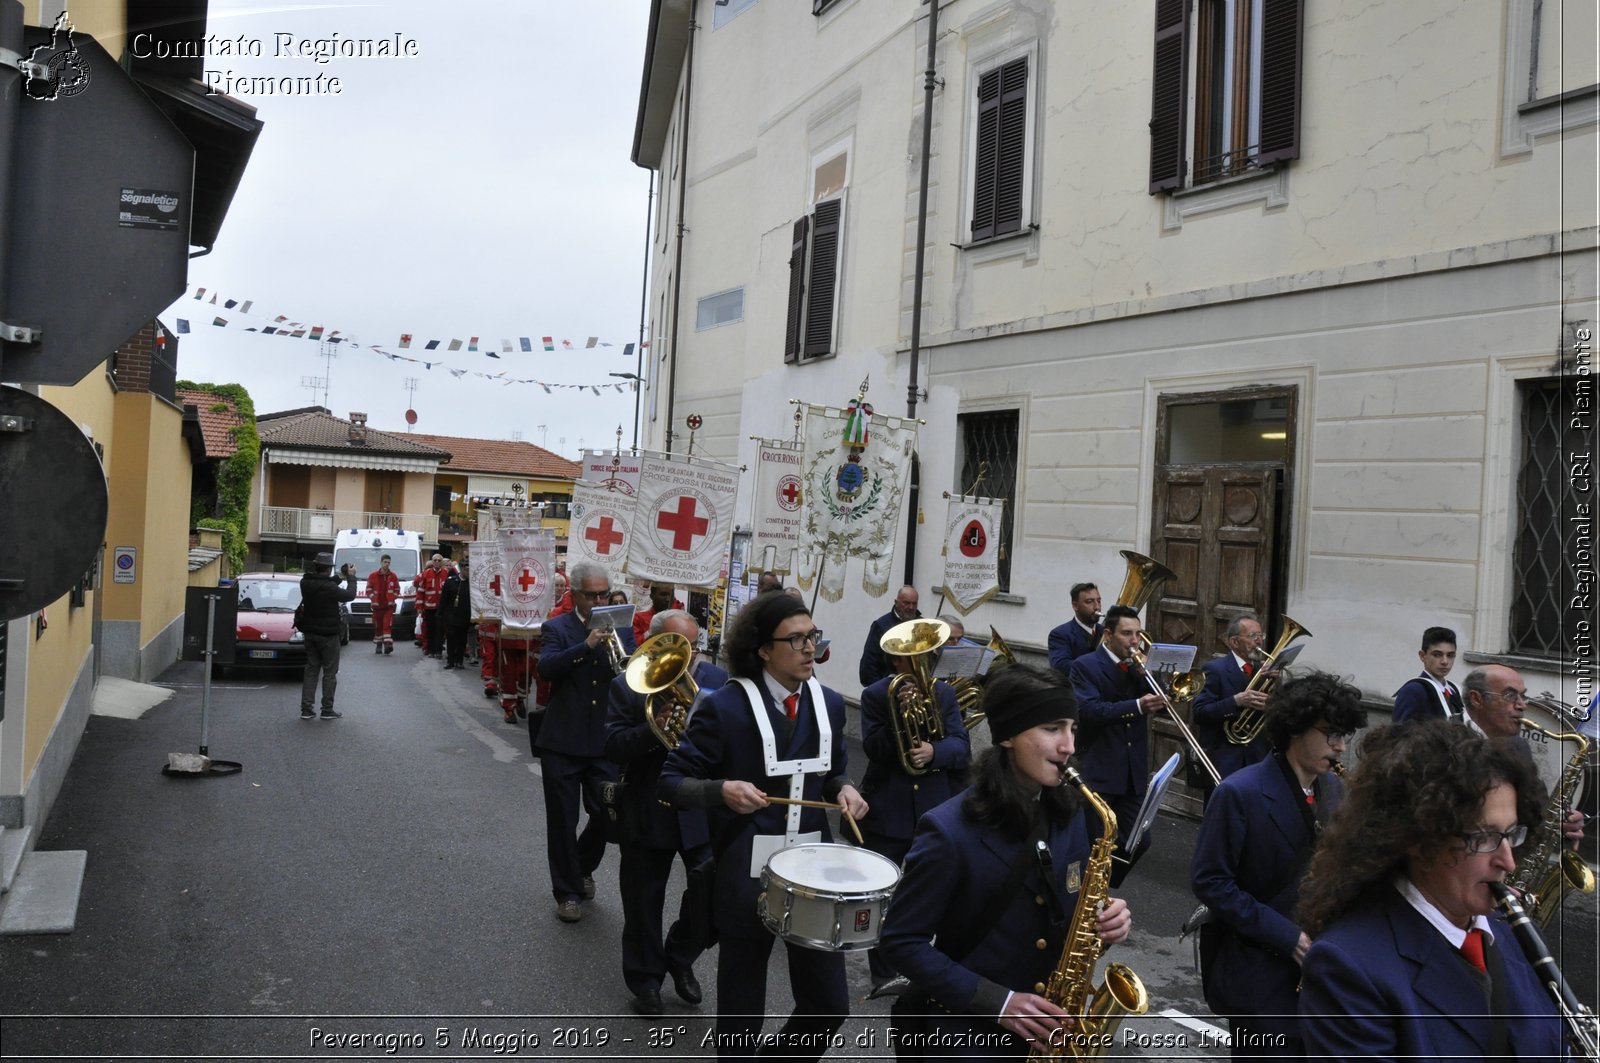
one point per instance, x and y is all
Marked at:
(683, 520)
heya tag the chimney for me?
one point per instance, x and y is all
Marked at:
(358, 429)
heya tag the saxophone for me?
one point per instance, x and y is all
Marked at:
(1097, 1011)
(1547, 869)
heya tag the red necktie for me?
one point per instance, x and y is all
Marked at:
(1472, 949)
(1249, 669)
(1123, 665)
(789, 704)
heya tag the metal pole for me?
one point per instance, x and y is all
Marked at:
(205, 687)
(930, 82)
(683, 187)
(10, 117)
(644, 305)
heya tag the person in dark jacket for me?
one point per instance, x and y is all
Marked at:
(455, 616)
(321, 598)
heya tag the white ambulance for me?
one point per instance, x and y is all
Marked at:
(364, 548)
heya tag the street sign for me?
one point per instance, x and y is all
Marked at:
(125, 565)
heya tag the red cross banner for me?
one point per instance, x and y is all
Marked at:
(779, 468)
(683, 521)
(484, 579)
(601, 521)
(611, 469)
(972, 551)
(527, 576)
(854, 482)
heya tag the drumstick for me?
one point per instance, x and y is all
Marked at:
(848, 818)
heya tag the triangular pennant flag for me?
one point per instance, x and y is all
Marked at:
(405, 340)
(183, 325)
(213, 298)
(589, 343)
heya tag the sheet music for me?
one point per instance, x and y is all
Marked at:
(1159, 784)
(961, 662)
(614, 616)
(1168, 657)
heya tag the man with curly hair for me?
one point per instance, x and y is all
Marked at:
(1409, 958)
(1255, 843)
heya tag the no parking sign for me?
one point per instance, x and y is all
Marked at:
(124, 564)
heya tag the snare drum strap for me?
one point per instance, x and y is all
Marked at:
(795, 769)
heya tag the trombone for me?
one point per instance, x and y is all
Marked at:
(1184, 688)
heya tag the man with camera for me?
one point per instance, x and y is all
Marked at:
(321, 598)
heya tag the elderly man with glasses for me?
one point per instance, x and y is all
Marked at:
(1224, 696)
(571, 740)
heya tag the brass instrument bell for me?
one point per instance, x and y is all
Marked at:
(918, 720)
(659, 669)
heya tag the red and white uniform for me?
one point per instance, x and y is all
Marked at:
(488, 659)
(428, 584)
(383, 590)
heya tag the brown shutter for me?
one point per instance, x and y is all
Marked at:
(1012, 146)
(1167, 85)
(797, 289)
(986, 150)
(824, 274)
(1282, 29)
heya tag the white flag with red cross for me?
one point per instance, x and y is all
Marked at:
(602, 519)
(779, 468)
(683, 521)
(483, 577)
(972, 551)
(527, 576)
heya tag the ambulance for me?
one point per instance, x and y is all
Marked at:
(363, 548)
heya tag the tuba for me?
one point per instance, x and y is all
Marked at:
(1246, 726)
(1097, 1011)
(660, 670)
(969, 688)
(1139, 584)
(916, 718)
(1547, 869)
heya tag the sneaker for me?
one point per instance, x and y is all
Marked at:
(588, 887)
(569, 912)
(329, 714)
(307, 714)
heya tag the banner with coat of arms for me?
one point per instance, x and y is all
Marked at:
(972, 551)
(856, 468)
(682, 521)
(527, 576)
(598, 533)
(484, 579)
(776, 522)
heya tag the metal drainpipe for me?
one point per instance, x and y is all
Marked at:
(677, 265)
(644, 306)
(930, 81)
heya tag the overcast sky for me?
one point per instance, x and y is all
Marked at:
(480, 188)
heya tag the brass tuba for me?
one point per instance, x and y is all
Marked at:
(969, 688)
(916, 719)
(1246, 726)
(1139, 584)
(660, 670)
(1548, 869)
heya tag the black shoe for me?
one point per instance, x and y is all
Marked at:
(377, 647)
(307, 714)
(647, 1002)
(388, 647)
(588, 887)
(329, 714)
(686, 985)
(490, 693)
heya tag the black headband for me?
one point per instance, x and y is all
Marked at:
(1030, 710)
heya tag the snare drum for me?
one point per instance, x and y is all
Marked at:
(828, 897)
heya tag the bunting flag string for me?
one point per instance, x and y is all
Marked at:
(281, 325)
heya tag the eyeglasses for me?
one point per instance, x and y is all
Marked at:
(1335, 736)
(798, 642)
(1513, 696)
(1488, 841)
(593, 595)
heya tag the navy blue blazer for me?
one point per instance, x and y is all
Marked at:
(724, 743)
(1069, 641)
(580, 687)
(874, 664)
(1215, 706)
(898, 800)
(1252, 851)
(1113, 735)
(954, 870)
(1419, 700)
(1382, 983)
(631, 744)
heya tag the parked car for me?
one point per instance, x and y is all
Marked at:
(265, 635)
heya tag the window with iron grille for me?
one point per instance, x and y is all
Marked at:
(991, 436)
(1546, 499)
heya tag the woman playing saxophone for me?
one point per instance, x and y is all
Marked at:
(979, 919)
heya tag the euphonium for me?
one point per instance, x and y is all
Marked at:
(659, 669)
(1139, 584)
(1097, 1011)
(1246, 726)
(916, 716)
(1547, 869)
(969, 689)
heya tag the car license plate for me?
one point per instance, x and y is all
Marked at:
(263, 655)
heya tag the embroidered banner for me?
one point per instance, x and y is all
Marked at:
(683, 520)
(779, 467)
(483, 576)
(972, 551)
(527, 571)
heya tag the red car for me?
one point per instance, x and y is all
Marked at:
(265, 634)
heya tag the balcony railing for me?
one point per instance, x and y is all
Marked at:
(320, 525)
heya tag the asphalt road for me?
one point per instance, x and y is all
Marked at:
(382, 877)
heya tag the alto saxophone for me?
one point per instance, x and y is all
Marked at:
(1096, 1011)
(1548, 868)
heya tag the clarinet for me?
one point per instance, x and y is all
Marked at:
(1582, 1030)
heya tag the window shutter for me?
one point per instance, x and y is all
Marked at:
(1282, 29)
(1167, 86)
(797, 289)
(825, 230)
(986, 150)
(1012, 146)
